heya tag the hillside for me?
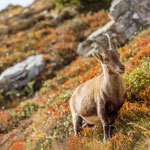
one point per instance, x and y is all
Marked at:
(39, 117)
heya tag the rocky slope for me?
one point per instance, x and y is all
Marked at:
(41, 28)
(42, 119)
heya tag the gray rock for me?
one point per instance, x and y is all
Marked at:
(20, 74)
(127, 18)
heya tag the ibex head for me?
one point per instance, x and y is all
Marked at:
(108, 56)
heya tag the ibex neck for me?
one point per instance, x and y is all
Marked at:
(111, 84)
(109, 77)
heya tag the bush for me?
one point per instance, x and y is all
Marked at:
(63, 2)
(83, 2)
(137, 82)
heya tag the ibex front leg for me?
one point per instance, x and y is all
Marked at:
(103, 118)
(113, 117)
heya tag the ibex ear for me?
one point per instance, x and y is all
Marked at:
(95, 43)
(97, 55)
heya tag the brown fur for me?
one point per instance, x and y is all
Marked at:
(99, 99)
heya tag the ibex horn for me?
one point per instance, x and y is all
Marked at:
(109, 42)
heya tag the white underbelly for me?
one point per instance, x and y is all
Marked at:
(92, 119)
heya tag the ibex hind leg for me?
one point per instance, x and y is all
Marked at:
(77, 123)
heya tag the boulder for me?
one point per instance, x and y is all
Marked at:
(20, 74)
(128, 17)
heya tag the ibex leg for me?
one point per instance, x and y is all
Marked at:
(77, 123)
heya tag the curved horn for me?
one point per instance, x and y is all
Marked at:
(109, 42)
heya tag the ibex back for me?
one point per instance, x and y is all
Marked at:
(99, 99)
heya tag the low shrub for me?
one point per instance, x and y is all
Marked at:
(138, 81)
(105, 3)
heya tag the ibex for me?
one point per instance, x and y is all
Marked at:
(99, 99)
